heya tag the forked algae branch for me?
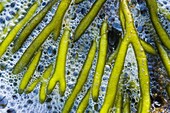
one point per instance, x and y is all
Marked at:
(100, 84)
(30, 71)
(130, 37)
(43, 80)
(44, 83)
(148, 47)
(59, 72)
(32, 86)
(36, 44)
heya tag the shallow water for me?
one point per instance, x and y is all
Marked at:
(13, 102)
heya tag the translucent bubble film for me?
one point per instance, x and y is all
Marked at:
(84, 56)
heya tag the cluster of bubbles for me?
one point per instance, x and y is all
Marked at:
(164, 5)
(158, 75)
(12, 102)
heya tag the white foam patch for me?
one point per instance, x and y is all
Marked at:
(76, 56)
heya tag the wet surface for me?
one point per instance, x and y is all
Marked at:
(12, 102)
(3, 102)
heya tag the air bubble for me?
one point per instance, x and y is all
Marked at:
(76, 55)
(11, 110)
(3, 102)
(51, 51)
(40, 68)
(14, 97)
